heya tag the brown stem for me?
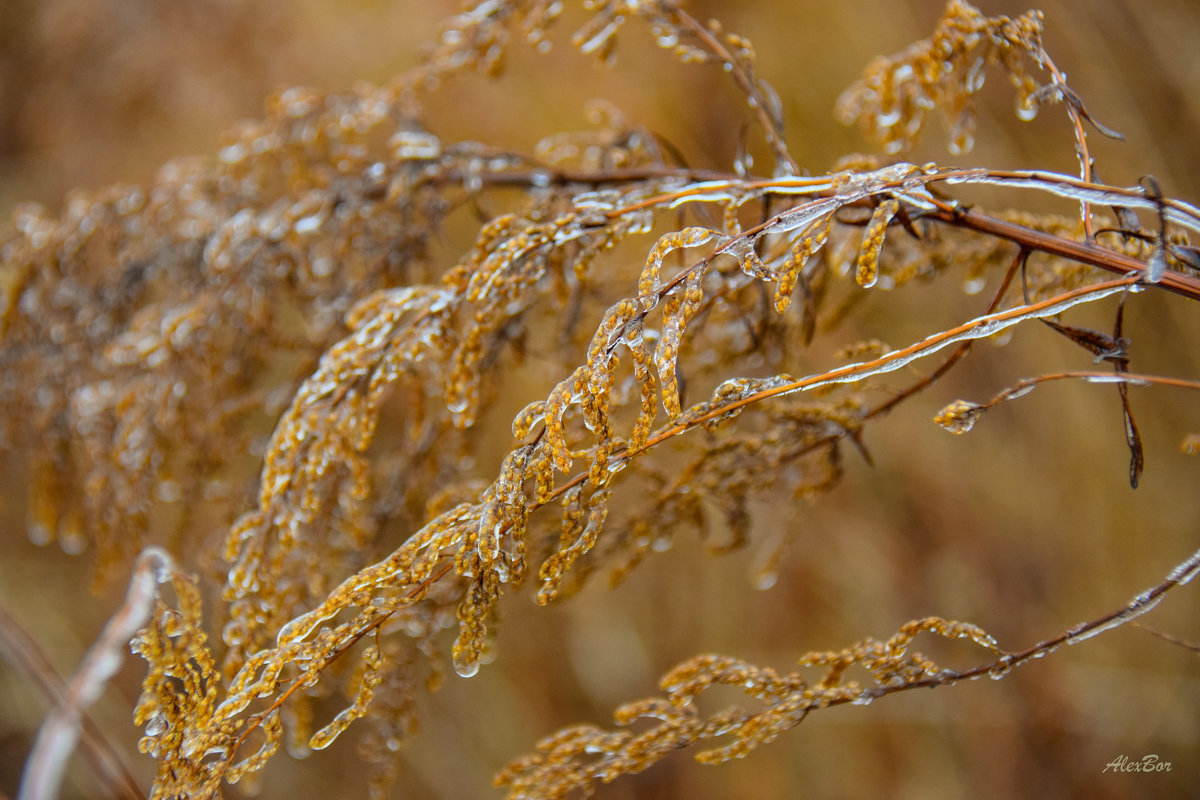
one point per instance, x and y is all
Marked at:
(1083, 252)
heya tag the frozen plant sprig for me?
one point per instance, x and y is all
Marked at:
(576, 758)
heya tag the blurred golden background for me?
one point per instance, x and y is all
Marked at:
(1025, 527)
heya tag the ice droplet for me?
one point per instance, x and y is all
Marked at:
(959, 417)
(601, 38)
(1186, 571)
(40, 535)
(866, 697)
(1115, 378)
(458, 403)
(1002, 668)
(1137, 606)
(976, 76)
(888, 119)
(72, 542)
(1021, 391)
(466, 668)
(1157, 266)
(157, 725)
(765, 580)
(300, 627)
(414, 145)
(307, 224)
(803, 216)
(233, 153)
(962, 138)
(974, 285)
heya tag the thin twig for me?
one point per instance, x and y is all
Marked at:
(1166, 637)
(1022, 387)
(59, 732)
(771, 131)
(23, 652)
(958, 354)
(1139, 604)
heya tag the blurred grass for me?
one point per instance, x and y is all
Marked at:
(1026, 526)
